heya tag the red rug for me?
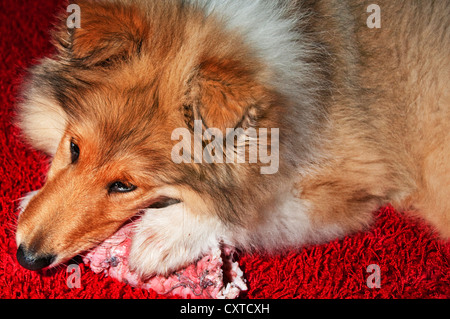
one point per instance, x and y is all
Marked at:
(413, 262)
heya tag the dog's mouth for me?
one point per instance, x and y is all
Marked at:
(163, 202)
(215, 275)
(121, 239)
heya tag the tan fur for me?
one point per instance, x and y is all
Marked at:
(372, 127)
(399, 158)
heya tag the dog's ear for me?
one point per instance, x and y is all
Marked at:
(224, 93)
(108, 33)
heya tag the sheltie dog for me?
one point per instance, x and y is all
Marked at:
(363, 116)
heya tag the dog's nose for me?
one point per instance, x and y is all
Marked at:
(32, 261)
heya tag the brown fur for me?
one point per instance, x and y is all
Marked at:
(391, 141)
(381, 123)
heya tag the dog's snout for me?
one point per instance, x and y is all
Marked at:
(33, 261)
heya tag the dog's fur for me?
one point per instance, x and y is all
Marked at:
(364, 119)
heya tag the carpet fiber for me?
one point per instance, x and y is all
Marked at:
(413, 262)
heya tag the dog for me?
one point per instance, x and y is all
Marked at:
(362, 119)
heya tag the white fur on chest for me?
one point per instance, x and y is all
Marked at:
(285, 223)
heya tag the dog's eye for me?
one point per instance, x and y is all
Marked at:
(74, 152)
(121, 187)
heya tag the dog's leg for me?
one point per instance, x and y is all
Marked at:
(167, 239)
(432, 200)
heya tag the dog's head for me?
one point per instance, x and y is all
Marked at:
(110, 100)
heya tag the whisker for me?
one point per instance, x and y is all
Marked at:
(11, 227)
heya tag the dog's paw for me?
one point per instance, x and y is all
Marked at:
(169, 239)
(24, 201)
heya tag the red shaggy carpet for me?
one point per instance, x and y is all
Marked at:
(413, 262)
